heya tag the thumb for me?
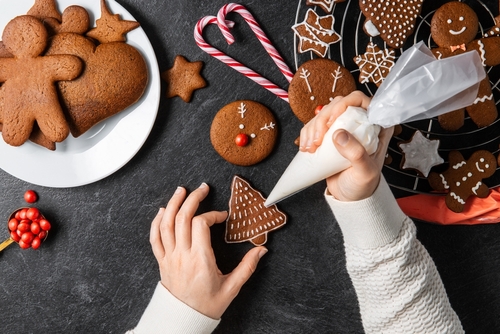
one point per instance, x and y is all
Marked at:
(244, 270)
(350, 148)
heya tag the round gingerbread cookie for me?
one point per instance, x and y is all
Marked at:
(316, 83)
(244, 132)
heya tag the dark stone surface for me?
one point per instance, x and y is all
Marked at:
(96, 272)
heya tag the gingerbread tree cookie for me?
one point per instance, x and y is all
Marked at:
(454, 27)
(248, 218)
(393, 20)
(375, 64)
(464, 178)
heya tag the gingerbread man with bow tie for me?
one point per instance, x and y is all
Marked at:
(454, 28)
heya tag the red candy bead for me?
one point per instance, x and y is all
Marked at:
(318, 109)
(241, 140)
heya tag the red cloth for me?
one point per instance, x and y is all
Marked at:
(433, 209)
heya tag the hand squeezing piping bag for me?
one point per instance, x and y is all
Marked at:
(418, 87)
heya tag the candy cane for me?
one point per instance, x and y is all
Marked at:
(224, 27)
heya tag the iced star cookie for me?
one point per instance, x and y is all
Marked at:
(244, 132)
(326, 5)
(464, 178)
(393, 20)
(316, 83)
(375, 64)
(248, 218)
(420, 154)
(316, 33)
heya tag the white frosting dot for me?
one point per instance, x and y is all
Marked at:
(242, 126)
(252, 135)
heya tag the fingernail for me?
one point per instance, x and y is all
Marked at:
(341, 138)
(203, 185)
(178, 190)
(316, 137)
(262, 252)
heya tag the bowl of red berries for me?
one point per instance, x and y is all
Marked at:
(28, 227)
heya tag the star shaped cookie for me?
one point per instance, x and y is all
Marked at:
(375, 64)
(183, 78)
(420, 153)
(111, 28)
(326, 5)
(316, 33)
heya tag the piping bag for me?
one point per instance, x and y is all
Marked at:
(419, 86)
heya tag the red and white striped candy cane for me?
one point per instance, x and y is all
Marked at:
(249, 73)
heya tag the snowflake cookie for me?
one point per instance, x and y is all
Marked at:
(375, 64)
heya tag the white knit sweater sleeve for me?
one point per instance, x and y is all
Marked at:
(167, 314)
(398, 286)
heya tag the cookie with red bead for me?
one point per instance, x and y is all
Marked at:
(316, 83)
(244, 132)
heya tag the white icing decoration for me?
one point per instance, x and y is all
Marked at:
(443, 180)
(476, 187)
(304, 74)
(479, 168)
(457, 32)
(336, 77)
(379, 63)
(460, 164)
(268, 127)
(242, 110)
(253, 135)
(371, 29)
(482, 99)
(241, 126)
(457, 198)
(421, 153)
(482, 52)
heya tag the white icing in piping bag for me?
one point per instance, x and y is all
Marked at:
(419, 86)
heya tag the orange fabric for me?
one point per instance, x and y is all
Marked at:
(433, 209)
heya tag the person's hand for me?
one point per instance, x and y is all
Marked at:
(362, 178)
(182, 247)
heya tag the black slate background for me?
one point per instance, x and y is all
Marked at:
(96, 272)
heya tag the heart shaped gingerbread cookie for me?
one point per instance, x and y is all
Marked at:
(115, 77)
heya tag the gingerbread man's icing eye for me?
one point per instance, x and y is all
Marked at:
(461, 18)
(449, 21)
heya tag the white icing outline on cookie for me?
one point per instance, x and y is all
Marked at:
(454, 32)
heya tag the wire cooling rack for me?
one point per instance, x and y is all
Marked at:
(468, 139)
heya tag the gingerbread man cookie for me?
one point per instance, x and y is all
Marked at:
(29, 82)
(454, 27)
(464, 178)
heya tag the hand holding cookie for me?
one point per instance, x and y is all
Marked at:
(188, 269)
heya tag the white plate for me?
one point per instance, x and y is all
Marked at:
(106, 147)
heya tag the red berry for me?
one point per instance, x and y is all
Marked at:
(23, 226)
(42, 235)
(30, 196)
(241, 140)
(32, 213)
(44, 224)
(15, 236)
(23, 245)
(27, 237)
(318, 109)
(22, 214)
(36, 243)
(35, 228)
(13, 224)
